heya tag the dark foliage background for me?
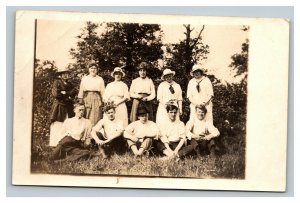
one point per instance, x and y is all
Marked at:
(126, 45)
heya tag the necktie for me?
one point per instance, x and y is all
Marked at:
(171, 89)
(198, 86)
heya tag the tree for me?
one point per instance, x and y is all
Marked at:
(129, 44)
(240, 60)
(183, 55)
(118, 44)
(88, 49)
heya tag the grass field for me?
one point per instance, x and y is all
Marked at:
(229, 165)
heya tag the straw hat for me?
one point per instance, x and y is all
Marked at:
(117, 69)
(196, 67)
(167, 72)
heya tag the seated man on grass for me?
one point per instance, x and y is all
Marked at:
(172, 134)
(75, 130)
(201, 133)
(107, 132)
(140, 133)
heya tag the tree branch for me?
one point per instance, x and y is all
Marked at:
(197, 39)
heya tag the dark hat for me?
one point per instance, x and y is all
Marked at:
(142, 110)
(143, 65)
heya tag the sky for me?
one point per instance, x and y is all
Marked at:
(56, 38)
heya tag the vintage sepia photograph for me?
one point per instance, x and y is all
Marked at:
(150, 101)
(140, 99)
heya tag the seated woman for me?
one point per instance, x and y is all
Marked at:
(74, 132)
(172, 133)
(107, 132)
(140, 133)
(201, 133)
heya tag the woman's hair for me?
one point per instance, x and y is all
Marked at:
(77, 104)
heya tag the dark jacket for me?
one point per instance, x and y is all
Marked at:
(63, 104)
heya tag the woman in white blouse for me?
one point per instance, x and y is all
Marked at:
(91, 93)
(142, 91)
(117, 92)
(167, 91)
(200, 92)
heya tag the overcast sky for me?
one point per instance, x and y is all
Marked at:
(55, 38)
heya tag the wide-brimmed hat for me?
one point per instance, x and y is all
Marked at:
(117, 69)
(62, 70)
(143, 65)
(196, 67)
(167, 72)
(142, 110)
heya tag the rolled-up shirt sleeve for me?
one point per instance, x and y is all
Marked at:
(189, 128)
(212, 130)
(98, 126)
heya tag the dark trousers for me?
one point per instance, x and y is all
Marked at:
(184, 151)
(117, 145)
(201, 147)
(70, 149)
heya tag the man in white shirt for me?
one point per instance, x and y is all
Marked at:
(172, 134)
(140, 133)
(74, 132)
(107, 132)
(201, 133)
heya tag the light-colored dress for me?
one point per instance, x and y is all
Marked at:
(145, 88)
(116, 91)
(204, 96)
(92, 90)
(164, 95)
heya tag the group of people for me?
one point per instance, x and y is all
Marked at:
(101, 118)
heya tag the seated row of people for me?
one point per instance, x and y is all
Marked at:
(171, 138)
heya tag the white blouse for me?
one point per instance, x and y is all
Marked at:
(164, 94)
(115, 91)
(90, 83)
(206, 90)
(140, 85)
